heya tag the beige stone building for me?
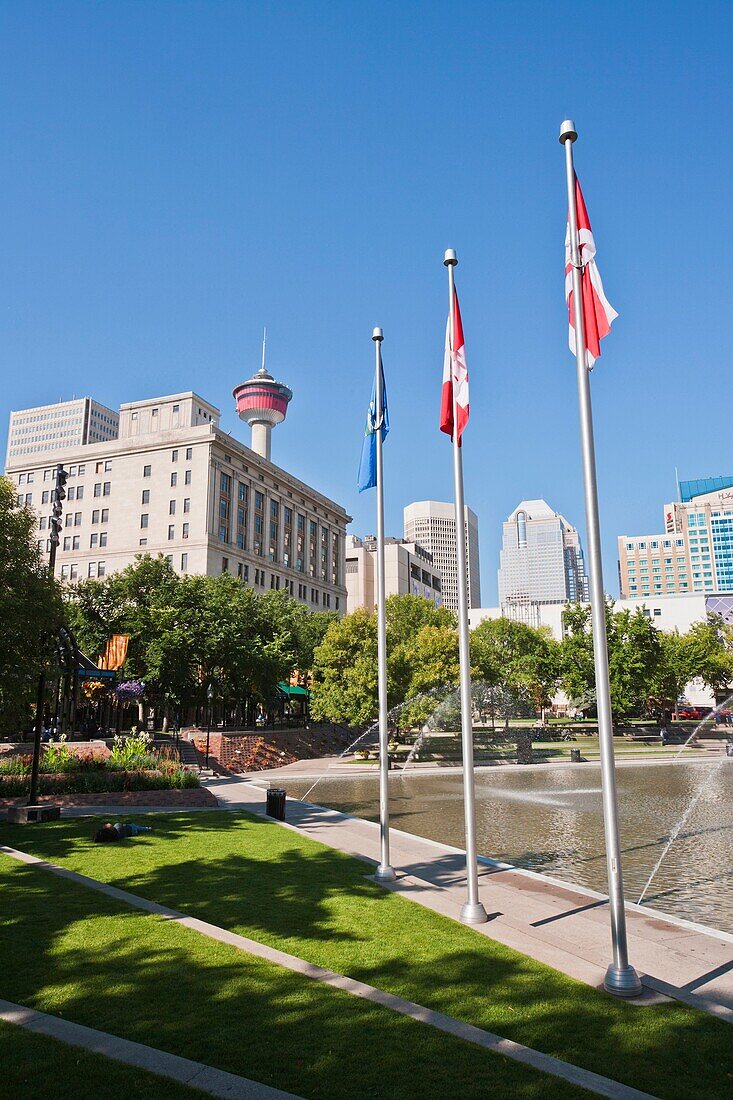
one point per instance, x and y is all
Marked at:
(174, 483)
(408, 568)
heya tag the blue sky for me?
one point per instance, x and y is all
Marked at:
(177, 175)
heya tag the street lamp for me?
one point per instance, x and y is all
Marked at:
(210, 697)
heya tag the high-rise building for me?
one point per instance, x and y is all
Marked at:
(541, 561)
(174, 483)
(49, 428)
(694, 553)
(432, 525)
(408, 568)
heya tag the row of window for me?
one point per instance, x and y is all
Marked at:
(654, 544)
(72, 542)
(94, 569)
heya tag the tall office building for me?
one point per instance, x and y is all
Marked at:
(50, 428)
(432, 525)
(541, 561)
(408, 569)
(694, 553)
(174, 483)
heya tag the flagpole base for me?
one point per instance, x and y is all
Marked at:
(385, 873)
(473, 913)
(622, 981)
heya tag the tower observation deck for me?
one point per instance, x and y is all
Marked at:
(263, 403)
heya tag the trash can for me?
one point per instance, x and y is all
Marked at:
(276, 803)
(575, 756)
(150, 724)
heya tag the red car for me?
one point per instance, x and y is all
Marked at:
(689, 713)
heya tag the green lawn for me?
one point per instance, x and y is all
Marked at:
(271, 884)
(72, 952)
(35, 1065)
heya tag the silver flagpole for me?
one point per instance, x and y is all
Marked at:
(621, 978)
(385, 872)
(472, 911)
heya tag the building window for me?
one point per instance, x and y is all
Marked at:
(73, 572)
(184, 562)
(189, 455)
(95, 515)
(143, 542)
(105, 515)
(103, 538)
(92, 570)
(98, 489)
(187, 477)
(147, 471)
(93, 541)
(45, 497)
(171, 531)
(225, 565)
(144, 519)
(174, 479)
(186, 505)
(146, 496)
(185, 531)
(107, 489)
(171, 507)
(67, 543)
(174, 454)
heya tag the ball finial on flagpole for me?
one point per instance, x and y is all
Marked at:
(568, 131)
(450, 259)
(377, 334)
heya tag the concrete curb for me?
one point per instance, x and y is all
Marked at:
(215, 1082)
(546, 1063)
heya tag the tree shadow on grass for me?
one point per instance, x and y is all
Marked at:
(94, 961)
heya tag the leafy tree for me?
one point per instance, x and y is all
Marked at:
(30, 610)
(422, 653)
(517, 658)
(645, 667)
(345, 671)
(707, 649)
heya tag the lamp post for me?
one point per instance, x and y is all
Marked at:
(59, 494)
(210, 697)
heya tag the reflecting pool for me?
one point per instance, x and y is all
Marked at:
(550, 820)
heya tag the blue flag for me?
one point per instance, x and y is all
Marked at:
(368, 466)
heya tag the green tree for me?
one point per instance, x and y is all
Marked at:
(422, 648)
(345, 671)
(707, 648)
(517, 658)
(640, 673)
(31, 610)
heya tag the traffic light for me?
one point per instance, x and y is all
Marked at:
(59, 494)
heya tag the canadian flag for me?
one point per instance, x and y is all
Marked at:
(598, 313)
(455, 374)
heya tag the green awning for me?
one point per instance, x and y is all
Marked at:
(288, 689)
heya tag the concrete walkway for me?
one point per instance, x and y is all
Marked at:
(565, 926)
(215, 1082)
(545, 1063)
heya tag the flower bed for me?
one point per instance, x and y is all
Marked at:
(91, 779)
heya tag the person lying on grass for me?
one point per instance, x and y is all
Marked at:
(119, 831)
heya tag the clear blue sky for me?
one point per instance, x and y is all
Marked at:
(176, 175)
